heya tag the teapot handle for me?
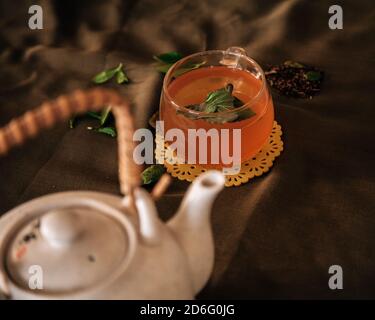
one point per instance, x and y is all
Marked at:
(63, 108)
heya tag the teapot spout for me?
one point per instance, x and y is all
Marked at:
(192, 225)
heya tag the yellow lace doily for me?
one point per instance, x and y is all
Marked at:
(254, 167)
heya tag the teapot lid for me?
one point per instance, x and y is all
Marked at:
(70, 247)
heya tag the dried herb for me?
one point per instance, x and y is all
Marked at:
(219, 101)
(295, 79)
(106, 75)
(152, 173)
(293, 64)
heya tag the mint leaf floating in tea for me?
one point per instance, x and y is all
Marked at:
(220, 106)
(152, 173)
(106, 75)
(219, 100)
(295, 79)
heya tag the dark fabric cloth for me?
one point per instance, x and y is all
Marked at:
(276, 236)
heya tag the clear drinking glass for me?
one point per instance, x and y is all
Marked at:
(192, 78)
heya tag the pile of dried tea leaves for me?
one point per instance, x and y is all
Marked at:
(294, 79)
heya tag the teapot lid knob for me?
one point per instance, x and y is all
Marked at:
(60, 227)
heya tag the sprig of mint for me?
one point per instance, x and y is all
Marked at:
(152, 173)
(107, 75)
(166, 60)
(220, 100)
(105, 115)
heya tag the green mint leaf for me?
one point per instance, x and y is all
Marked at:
(196, 107)
(293, 64)
(217, 102)
(95, 115)
(166, 60)
(119, 67)
(168, 57)
(193, 107)
(104, 76)
(219, 98)
(152, 173)
(111, 131)
(121, 77)
(245, 114)
(313, 75)
(188, 115)
(72, 123)
(237, 102)
(104, 115)
(223, 118)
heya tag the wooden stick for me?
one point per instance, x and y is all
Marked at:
(161, 186)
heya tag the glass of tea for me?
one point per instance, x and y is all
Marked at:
(221, 90)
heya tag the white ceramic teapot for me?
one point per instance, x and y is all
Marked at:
(90, 245)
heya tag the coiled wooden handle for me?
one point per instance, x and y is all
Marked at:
(63, 108)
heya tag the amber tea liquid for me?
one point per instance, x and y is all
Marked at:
(193, 87)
